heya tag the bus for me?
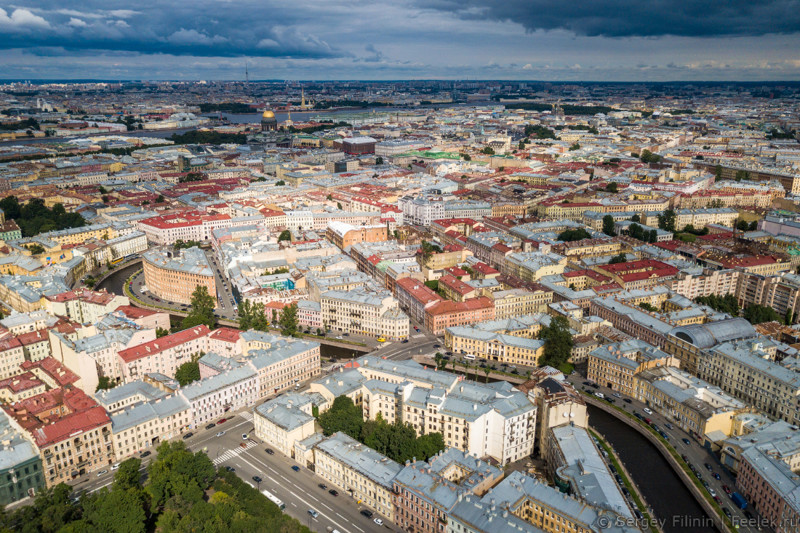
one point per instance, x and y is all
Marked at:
(274, 499)
(117, 261)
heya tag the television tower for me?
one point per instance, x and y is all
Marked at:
(246, 74)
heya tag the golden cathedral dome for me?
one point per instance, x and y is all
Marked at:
(268, 114)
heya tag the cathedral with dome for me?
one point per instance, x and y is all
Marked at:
(268, 121)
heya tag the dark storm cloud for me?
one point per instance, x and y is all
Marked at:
(198, 28)
(640, 18)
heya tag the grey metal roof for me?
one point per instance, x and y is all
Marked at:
(708, 335)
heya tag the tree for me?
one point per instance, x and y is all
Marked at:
(253, 316)
(652, 235)
(339, 206)
(612, 187)
(619, 258)
(160, 199)
(488, 150)
(285, 235)
(648, 307)
(649, 157)
(466, 157)
(202, 311)
(666, 220)
(742, 225)
(570, 235)
(36, 248)
(344, 416)
(280, 183)
(724, 304)
(557, 342)
(756, 314)
(161, 332)
(487, 370)
(127, 476)
(379, 160)
(608, 225)
(105, 383)
(742, 175)
(288, 321)
(753, 226)
(635, 218)
(574, 147)
(718, 172)
(187, 373)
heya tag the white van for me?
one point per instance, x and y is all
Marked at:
(469, 356)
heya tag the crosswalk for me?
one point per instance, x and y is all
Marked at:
(247, 415)
(232, 454)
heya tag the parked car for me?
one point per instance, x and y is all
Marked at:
(599, 394)
(626, 400)
(114, 466)
(210, 426)
(188, 435)
(708, 466)
(323, 486)
(686, 441)
(102, 472)
(230, 469)
(648, 411)
(144, 454)
(295, 468)
(222, 420)
(366, 512)
(269, 451)
(668, 425)
(333, 492)
(378, 521)
(716, 476)
(221, 433)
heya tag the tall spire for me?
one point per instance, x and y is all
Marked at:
(246, 73)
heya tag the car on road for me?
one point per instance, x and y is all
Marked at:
(257, 479)
(727, 489)
(295, 468)
(599, 394)
(712, 492)
(708, 466)
(716, 476)
(686, 441)
(617, 395)
(333, 492)
(221, 433)
(366, 512)
(313, 513)
(188, 435)
(437, 346)
(269, 451)
(244, 436)
(323, 486)
(726, 511)
(404, 341)
(668, 425)
(648, 411)
(211, 425)
(144, 454)
(378, 521)
(102, 472)
(114, 466)
(230, 469)
(626, 400)
(222, 421)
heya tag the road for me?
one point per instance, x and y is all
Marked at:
(227, 303)
(298, 490)
(694, 452)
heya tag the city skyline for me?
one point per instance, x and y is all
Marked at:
(597, 41)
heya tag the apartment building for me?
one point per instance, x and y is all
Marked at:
(744, 370)
(214, 396)
(700, 409)
(515, 302)
(144, 426)
(376, 314)
(616, 365)
(497, 347)
(345, 235)
(83, 305)
(286, 420)
(364, 474)
(414, 298)
(492, 419)
(163, 355)
(174, 275)
(284, 365)
(71, 432)
(444, 314)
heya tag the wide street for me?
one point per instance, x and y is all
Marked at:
(299, 491)
(695, 453)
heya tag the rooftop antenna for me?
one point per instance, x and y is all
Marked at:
(246, 73)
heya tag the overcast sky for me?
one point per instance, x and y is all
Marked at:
(628, 40)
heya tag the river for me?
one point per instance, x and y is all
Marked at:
(661, 487)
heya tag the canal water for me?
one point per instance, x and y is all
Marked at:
(661, 487)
